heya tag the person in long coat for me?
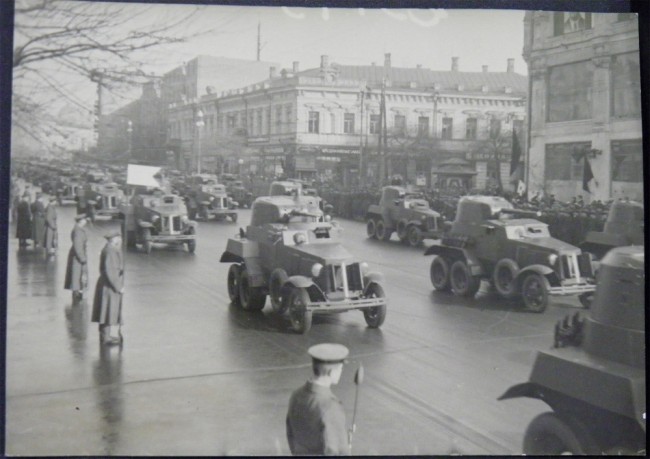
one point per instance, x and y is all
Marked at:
(107, 304)
(24, 221)
(315, 420)
(51, 238)
(76, 274)
(38, 221)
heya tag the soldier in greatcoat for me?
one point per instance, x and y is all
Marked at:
(316, 420)
(76, 274)
(107, 305)
(51, 238)
(38, 221)
(24, 220)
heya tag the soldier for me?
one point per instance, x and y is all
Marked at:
(316, 420)
(51, 238)
(38, 221)
(76, 274)
(107, 305)
(24, 220)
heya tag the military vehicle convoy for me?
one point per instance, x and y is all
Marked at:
(292, 253)
(213, 202)
(238, 192)
(594, 377)
(403, 212)
(518, 255)
(157, 217)
(624, 226)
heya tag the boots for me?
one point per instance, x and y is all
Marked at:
(105, 335)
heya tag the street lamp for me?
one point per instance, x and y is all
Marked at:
(129, 132)
(199, 125)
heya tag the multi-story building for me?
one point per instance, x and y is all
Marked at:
(585, 104)
(321, 121)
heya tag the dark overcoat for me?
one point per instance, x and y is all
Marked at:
(107, 304)
(76, 273)
(38, 222)
(50, 227)
(23, 221)
(316, 422)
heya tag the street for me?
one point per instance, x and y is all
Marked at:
(198, 376)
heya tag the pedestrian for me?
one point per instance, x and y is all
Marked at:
(76, 274)
(316, 421)
(38, 220)
(107, 304)
(51, 236)
(24, 220)
(81, 200)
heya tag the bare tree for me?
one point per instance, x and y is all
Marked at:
(59, 43)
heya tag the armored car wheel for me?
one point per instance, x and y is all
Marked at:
(554, 434)
(503, 278)
(439, 274)
(371, 229)
(534, 291)
(376, 315)
(298, 313)
(383, 233)
(233, 283)
(250, 298)
(414, 236)
(278, 278)
(463, 283)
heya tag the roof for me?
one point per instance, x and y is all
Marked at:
(423, 77)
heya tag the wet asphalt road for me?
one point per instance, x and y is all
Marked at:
(198, 376)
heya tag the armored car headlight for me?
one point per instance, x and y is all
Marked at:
(552, 258)
(155, 218)
(299, 238)
(316, 269)
(364, 267)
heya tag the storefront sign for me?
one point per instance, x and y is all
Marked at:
(486, 156)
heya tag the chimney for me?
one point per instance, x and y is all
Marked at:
(485, 69)
(454, 64)
(296, 66)
(324, 61)
(272, 72)
(511, 65)
(387, 60)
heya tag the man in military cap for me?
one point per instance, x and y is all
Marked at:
(316, 420)
(51, 226)
(38, 220)
(107, 305)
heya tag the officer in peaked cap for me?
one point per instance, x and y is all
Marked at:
(316, 420)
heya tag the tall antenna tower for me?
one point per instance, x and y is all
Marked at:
(259, 40)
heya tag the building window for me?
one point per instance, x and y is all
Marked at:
(267, 113)
(561, 163)
(231, 123)
(348, 123)
(423, 126)
(518, 127)
(373, 128)
(332, 123)
(626, 86)
(471, 127)
(569, 92)
(288, 116)
(627, 160)
(314, 122)
(568, 22)
(400, 124)
(278, 120)
(249, 127)
(495, 128)
(447, 128)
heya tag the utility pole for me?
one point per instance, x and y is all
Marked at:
(361, 176)
(259, 40)
(97, 76)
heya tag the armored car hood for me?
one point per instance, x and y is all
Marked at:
(326, 253)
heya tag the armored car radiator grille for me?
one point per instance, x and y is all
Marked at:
(176, 223)
(576, 266)
(355, 281)
(584, 263)
(431, 223)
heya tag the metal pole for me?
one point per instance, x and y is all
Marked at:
(361, 178)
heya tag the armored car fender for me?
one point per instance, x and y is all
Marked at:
(455, 253)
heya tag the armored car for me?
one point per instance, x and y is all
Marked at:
(292, 253)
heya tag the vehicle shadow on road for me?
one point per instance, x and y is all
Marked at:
(269, 321)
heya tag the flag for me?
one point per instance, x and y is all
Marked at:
(587, 175)
(516, 153)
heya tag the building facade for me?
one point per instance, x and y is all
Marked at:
(585, 105)
(326, 122)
